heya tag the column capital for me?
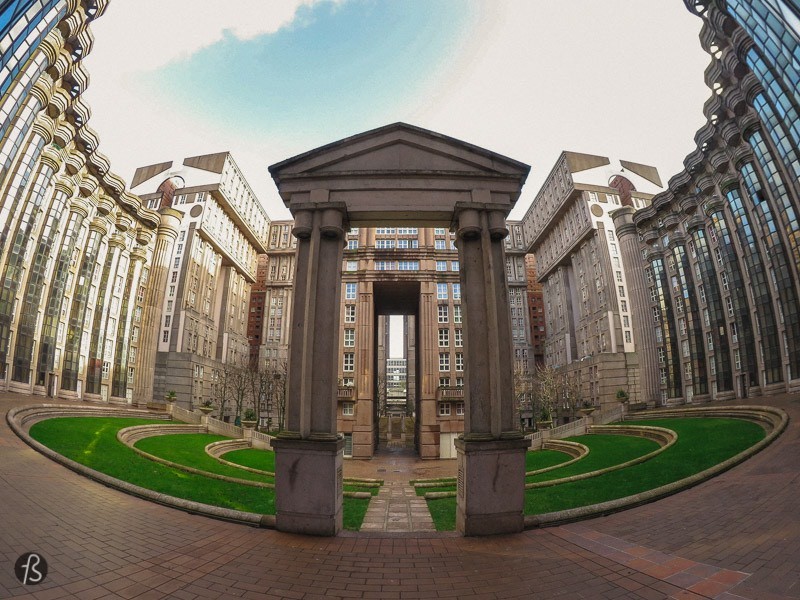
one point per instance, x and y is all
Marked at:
(333, 219)
(468, 223)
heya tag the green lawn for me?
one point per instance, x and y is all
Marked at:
(263, 460)
(189, 449)
(702, 443)
(92, 441)
(541, 459)
(604, 451)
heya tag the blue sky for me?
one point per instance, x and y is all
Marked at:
(364, 58)
(268, 79)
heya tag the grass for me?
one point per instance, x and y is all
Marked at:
(189, 449)
(541, 459)
(92, 441)
(702, 443)
(604, 451)
(263, 460)
(443, 512)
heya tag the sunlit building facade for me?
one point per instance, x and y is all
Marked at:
(213, 264)
(588, 309)
(75, 246)
(721, 246)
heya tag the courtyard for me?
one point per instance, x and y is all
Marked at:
(735, 536)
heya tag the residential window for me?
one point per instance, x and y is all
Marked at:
(443, 316)
(459, 339)
(444, 382)
(441, 291)
(619, 276)
(349, 313)
(444, 409)
(459, 382)
(408, 265)
(457, 313)
(352, 265)
(444, 361)
(176, 263)
(348, 409)
(350, 291)
(439, 244)
(444, 338)
(384, 244)
(174, 277)
(710, 342)
(456, 291)
(459, 409)
(454, 265)
(621, 289)
(349, 338)
(626, 322)
(349, 363)
(440, 231)
(165, 336)
(441, 265)
(627, 336)
(459, 361)
(352, 244)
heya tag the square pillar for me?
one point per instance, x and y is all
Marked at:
(308, 454)
(490, 494)
(308, 486)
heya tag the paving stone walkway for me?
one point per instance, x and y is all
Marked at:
(397, 508)
(735, 536)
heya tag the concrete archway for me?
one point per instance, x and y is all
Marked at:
(400, 175)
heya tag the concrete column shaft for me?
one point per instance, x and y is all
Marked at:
(313, 339)
(153, 301)
(487, 336)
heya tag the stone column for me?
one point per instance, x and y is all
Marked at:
(364, 427)
(166, 235)
(491, 453)
(308, 455)
(639, 298)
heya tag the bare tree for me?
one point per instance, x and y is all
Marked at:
(546, 391)
(279, 393)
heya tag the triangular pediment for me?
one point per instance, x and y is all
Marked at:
(398, 148)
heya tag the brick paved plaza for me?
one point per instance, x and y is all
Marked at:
(736, 536)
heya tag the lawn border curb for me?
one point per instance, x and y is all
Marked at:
(777, 417)
(20, 419)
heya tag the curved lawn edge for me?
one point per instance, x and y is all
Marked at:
(779, 422)
(131, 435)
(15, 418)
(574, 449)
(217, 449)
(665, 438)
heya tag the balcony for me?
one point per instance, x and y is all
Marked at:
(449, 394)
(346, 393)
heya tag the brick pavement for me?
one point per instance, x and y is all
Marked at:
(101, 543)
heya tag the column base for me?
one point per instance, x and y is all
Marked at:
(491, 486)
(308, 486)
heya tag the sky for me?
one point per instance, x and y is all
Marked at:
(269, 79)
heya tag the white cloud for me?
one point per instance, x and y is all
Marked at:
(144, 35)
